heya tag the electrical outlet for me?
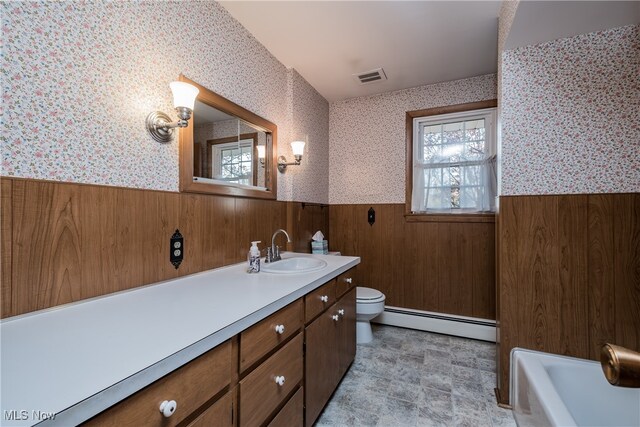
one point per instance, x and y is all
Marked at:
(176, 249)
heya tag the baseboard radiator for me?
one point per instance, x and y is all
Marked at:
(449, 324)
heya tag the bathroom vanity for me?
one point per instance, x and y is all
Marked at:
(221, 347)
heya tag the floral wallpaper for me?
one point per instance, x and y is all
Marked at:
(505, 21)
(571, 115)
(309, 117)
(367, 137)
(79, 78)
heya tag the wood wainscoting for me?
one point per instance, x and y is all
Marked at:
(64, 242)
(569, 275)
(303, 220)
(446, 267)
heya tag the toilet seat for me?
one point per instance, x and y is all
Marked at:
(368, 295)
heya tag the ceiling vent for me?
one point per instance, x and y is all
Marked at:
(371, 76)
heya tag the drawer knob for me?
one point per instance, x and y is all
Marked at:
(280, 380)
(335, 317)
(280, 329)
(168, 407)
(348, 279)
(324, 298)
(341, 312)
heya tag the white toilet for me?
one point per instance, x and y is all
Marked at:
(369, 304)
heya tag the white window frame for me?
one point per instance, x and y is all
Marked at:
(490, 117)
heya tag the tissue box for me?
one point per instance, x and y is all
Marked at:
(321, 248)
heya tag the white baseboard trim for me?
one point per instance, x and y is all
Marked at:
(449, 324)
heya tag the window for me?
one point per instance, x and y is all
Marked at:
(454, 162)
(233, 162)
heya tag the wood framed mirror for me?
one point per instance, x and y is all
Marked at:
(219, 149)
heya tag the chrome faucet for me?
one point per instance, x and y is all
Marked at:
(273, 253)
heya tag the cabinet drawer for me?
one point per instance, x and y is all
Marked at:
(263, 337)
(292, 414)
(191, 386)
(219, 414)
(320, 299)
(260, 395)
(345, 282)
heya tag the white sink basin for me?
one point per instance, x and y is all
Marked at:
(294, 265)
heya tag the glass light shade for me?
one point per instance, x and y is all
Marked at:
(261, 151)
(297, 147)
(184, 94)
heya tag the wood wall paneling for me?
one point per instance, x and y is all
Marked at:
(572, 275)
(569, 277)
(626, 231)
(303, 220)
(507, 290)
(65, 242)
(5, 246)
(484, 280)
(600, 272)
(433, 266)
(46, 250)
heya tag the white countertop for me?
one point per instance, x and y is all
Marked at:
(77, 360)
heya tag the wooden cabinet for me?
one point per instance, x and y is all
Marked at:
(260, 339)
(292, 413)
(330, 348)
(321, 357)
(261, 392)
(263, 376)
(346, 338)
(319, 300)
(190, 387)
(345, 282)
(219, 414)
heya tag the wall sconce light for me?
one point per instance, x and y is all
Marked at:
(298, 148)
(261, 153)
(160, 126)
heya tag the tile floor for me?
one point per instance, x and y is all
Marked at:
(414, 378)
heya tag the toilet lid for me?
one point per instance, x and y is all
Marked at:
(367, 293)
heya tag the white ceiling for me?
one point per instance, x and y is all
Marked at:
(203, 113)
(416, 42)
(540, 21)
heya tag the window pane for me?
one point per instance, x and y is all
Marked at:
(474, 150)
(246, 154)
(474, 130)
(455, 197)
(430, 153)
(454, 176)
(453, 145)
(452, 133)
(469, 197)
(434, 200)
(471, 175)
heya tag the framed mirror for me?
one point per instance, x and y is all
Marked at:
(227, 149)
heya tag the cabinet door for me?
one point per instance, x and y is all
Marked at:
(321, 363)
(346, 331)
(260, 339)
(219, 414)
(260, 394)
(292, 413)
(317, 301)
(345, 282)
(190, 386)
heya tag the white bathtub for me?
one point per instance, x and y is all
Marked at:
(552, 390)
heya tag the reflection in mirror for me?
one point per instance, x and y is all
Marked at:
(225, 149)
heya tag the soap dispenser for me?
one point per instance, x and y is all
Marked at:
(254, 258)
